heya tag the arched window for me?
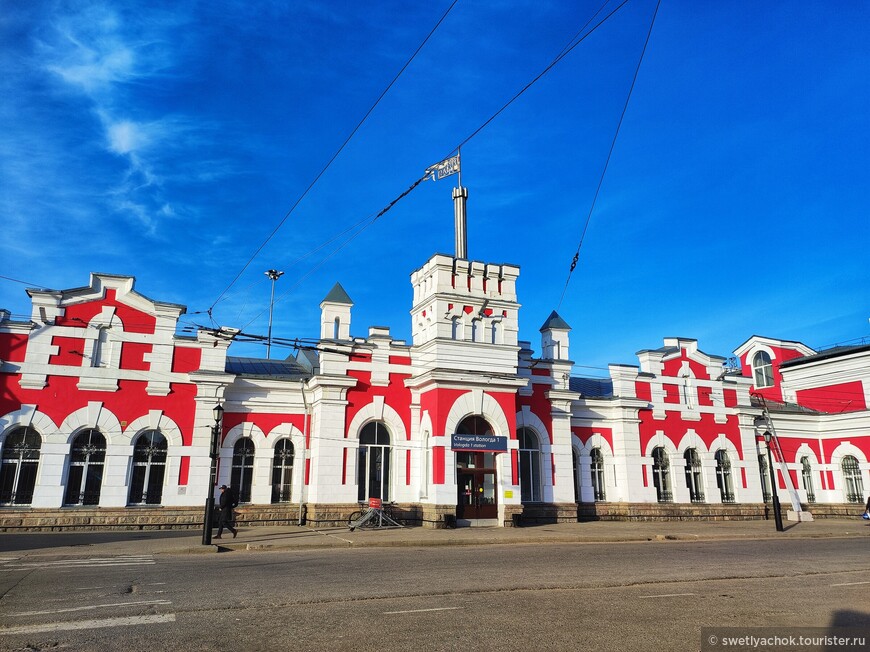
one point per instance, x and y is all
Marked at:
(852, 479)
(694, 477)
(723, 476)
(662, 475)
(575, 458)
(807, 477)
(530, 466)
(475, 330)
(596, 467)
(373, 469)
(457, 329)
(85, 477)
(765, 478)
(149, 468)
(336, 328)
(19, 465)
(282, 471)
(474, 425)
(762, 369)
(242, 473)
(494, 331)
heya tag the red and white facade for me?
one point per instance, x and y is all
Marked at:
(104, 405)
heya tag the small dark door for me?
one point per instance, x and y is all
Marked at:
(476, 486)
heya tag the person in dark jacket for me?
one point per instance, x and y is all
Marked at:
(228, 502)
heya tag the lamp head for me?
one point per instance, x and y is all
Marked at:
(767, 436)
(218, 412)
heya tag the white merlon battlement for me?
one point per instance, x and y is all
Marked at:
(465, 301)
(471, 278)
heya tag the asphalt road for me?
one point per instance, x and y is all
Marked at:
(630, 596)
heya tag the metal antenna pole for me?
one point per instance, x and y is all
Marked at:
(273, 275)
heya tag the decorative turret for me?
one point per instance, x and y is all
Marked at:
(335, 314)
(554, 338)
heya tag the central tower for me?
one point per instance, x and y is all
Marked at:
(465, 315)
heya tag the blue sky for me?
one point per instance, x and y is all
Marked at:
(167, 140)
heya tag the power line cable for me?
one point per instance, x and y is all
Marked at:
(573, 43)
(15, 280)
(609, 155)
(558, 58)
(334, 156)
(344, 244)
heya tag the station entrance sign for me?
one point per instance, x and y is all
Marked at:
(479, 443)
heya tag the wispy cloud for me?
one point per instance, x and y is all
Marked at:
(102, 56)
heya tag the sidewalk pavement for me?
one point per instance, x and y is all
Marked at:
(157, 542)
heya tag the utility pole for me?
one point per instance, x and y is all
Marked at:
(273, 275)
(777, 509)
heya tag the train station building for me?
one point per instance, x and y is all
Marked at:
(107, 414)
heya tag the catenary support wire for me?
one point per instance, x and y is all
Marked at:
(334, 156)
(609, 155)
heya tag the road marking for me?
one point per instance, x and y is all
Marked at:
(666, 595)
(91, 588)
(90, 624)
(103, 562)
(92, 560)
(417, 611)
(851, 583)
(89, 607)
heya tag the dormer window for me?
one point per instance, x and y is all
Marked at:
(762, 369)
(102, 348)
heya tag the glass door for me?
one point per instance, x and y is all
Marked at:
(476, 486)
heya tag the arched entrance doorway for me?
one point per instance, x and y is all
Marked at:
(476, 480)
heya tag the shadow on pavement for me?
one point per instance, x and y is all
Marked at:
(24, 541)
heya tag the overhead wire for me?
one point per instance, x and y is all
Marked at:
(609, 155)
(334, 156)
(565, 51)
(15, 280)
(573, 43)
(342, 245)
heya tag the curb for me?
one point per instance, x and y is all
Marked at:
(435, 543)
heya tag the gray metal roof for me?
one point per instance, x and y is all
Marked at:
(665, 350)
(833, 352)
(781, 406)
(592, 387)
(338, 295)
(280, 369)
(555, 321)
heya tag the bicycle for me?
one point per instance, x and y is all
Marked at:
(376, 515)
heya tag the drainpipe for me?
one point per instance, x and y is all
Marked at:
(304, 467)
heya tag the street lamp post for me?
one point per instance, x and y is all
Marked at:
(218, 413)
(777, 511)
(273, 275)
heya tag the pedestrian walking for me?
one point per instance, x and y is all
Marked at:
(228, 502)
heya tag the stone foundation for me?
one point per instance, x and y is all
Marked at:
(543, 513)
(136, 518)
(702, 512)
(431, 516)
(438, 517)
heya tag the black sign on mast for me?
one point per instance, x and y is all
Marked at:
(444, 169)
